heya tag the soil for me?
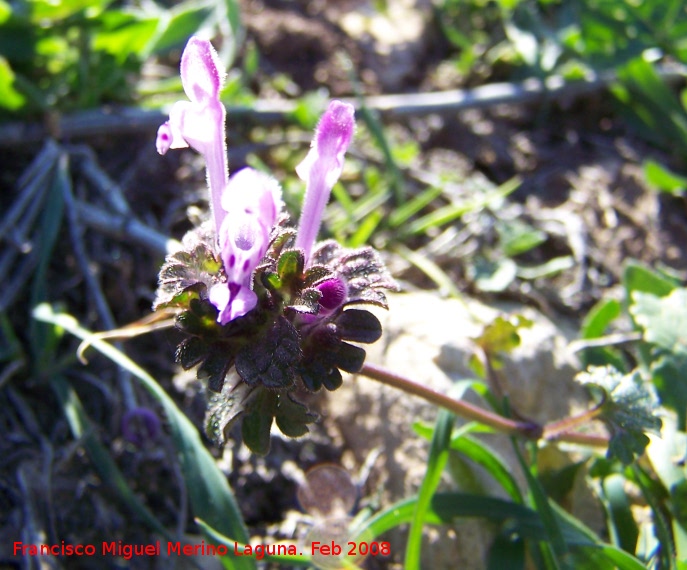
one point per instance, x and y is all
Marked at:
(582, 184)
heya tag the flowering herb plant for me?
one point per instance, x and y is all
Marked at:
(267, 311)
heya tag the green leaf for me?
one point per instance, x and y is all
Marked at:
(396, 179)
(517, 237)
(667, 554)
(292, 417)
(663, 179)
(595, 325)
(507, 552)
(622, 526)
(235, 33)
(663, 319)
(556, 546)
(290, 265)
(200, 320)
(501, 336)
(184, 20)
(10, 347)
(443, 281)
(547, 269)
(452, 212)
(438, 455)
(521, 520)
(482, 455)
(638, 277)
(257, 422)
(669, 375)
(405, 211)
(42, 10)
(10, 98)
(365, 228)
(653, 103)
(627, 408)
(666, 454)
(599, 318)
(124, 33)
(225, 408)
(287, 559)
(208, 490)
(44, 339)
(270, 281)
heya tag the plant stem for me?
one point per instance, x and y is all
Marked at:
(553, 430)
(458, 407)
(557, 431)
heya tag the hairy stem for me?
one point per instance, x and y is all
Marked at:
(458, 407)
(557, 431)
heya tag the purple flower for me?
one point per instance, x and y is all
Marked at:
(252, 201)
(334, 292)
(199, 123)
(322, 167)
(140, 425)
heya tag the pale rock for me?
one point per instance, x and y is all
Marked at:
(393, 40)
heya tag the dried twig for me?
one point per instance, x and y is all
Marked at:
(123, 121)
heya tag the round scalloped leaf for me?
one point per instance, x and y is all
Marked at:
(272, 359)
(316, 274)
(292, 417)
(257, 423)
(358, 325)
(664, 319)
(191, 351)
(349, 358)
(225, 408)
(215, 368)
(628, 410)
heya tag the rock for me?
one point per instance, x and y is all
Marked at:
(393, 41)
(427, 338)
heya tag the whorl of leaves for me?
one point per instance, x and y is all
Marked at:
(253, 364)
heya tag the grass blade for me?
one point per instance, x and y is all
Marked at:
(208, 490)
(521, 520)
(106, 467)
(404, 212)
(558, 547)
(483, 455)
(452, 212)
